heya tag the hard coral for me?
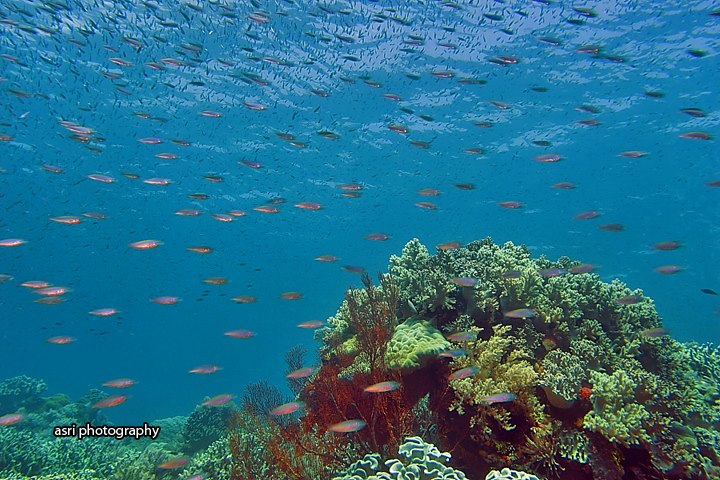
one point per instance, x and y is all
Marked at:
(21, 391)
(413, 343)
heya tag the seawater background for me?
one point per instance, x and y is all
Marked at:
(659, 197)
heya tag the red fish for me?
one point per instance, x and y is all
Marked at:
(548, 158)
(669, 269)
(589, 215)
(11, 418)
(426, 205)
(145, 244)
(464, 373)
(266, 209)
(377, 236)
(218, 400)
(205, 369)
(382, 387)
(511, 204)
(291, 295)
(449, 246)
(669, 245)
(308, 206)
(287, 408)
(244, 299)
(61, 340)
(310, 324)
(109, 402)
(165, 300)
(103, 312)
(119, 383)
(173, 463)
(348, 426)
(521, 313)
(12, 242)
(66, 219)
(240, 334)
(302, 372)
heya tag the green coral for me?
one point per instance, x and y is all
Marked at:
(418, 461)
(503, 367)
(563, 374)
(423, 282)
(205, 425)
(24, 452)
(616, 414)
(20, 391)
(413, 343)
(215, 462)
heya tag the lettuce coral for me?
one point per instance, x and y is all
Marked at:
(418, 461)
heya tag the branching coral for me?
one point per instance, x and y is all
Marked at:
(424, 283)
(21, 391)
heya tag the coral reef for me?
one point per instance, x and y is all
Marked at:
(21, 391)
(502, 359)
(593, 386)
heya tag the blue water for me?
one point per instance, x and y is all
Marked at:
(659, 197)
